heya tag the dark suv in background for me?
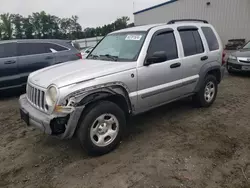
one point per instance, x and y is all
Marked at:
(18, 58)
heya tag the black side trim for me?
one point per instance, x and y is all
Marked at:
(187, 28)
(167, 89)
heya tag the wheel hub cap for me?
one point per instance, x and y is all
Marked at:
(209, 91)
(104, 130)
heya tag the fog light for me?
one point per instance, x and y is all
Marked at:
(58, 125)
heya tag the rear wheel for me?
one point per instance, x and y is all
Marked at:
(101, 128)
(208, 92)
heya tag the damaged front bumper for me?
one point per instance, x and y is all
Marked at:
(60, 125)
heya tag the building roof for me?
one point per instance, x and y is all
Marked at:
(156, 6)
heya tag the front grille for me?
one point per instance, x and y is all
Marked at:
(242, 61)
(36, 97)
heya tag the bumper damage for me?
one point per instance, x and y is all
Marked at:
(240, 67)
(62, 126)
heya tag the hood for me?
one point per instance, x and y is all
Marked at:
(77, 71)
(242, 53)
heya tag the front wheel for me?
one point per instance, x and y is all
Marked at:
(101, 128)
(208, 92)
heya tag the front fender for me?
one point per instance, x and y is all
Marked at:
(87, 95)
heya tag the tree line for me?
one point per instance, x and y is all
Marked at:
(40, 25)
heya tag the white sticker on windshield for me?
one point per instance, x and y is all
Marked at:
(133, 37)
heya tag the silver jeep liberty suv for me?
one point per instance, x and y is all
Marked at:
(129, 72)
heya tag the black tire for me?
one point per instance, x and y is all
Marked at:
(199, 99)
(88, 119)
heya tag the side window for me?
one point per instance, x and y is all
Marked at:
(211, 38)
(55, 47)
(191, 41)
(7, 50)
(164, 42)
(31, 49)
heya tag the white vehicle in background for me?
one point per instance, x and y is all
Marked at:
(85, 52)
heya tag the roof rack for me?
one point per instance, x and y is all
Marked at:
(187, 20)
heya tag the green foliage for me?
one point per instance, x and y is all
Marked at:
(43, 25)
(6, 26)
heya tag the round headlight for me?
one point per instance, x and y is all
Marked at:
(51, 96)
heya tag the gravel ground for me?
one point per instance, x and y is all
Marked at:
(173, 146)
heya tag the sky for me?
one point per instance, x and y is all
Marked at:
(91, 13)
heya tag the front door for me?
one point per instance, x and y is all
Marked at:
(33, 56)
(161, 82)
(9, 76)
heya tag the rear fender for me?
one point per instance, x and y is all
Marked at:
(204, 71)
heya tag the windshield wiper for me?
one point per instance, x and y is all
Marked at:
(93, 56)
(114, 58)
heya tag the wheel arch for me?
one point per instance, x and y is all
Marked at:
(209, 69)
(112, 93)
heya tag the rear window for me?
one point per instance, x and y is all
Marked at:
(211, 38)
(56, 47)
(38, 48)
(32, 49)
(7, 50)
(191, 41)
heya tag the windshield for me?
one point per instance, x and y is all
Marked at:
(247, 46)
(119, 47)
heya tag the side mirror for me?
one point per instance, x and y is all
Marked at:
(157, 57)
(238, 47)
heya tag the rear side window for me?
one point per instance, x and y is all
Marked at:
(191, 41)
(211, 38)
(38, 48)
(56, 47)
(32, 49)
(164, 42)
(7, 50)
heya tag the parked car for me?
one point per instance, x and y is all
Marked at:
(129, 72)
(18, 58)
(86, 52)
(239, 61)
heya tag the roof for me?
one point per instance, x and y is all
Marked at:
(34, 40)
(137, 28)
(145, 28)
(156, 6)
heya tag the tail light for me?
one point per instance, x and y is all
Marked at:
(223, 58)
(79, 55)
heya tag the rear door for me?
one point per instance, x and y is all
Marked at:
(194, 56)
(9, 76)
(33, 56)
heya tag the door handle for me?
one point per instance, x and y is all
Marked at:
(175, 65)
(9, 62)
(204, 58)
(49, 57)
